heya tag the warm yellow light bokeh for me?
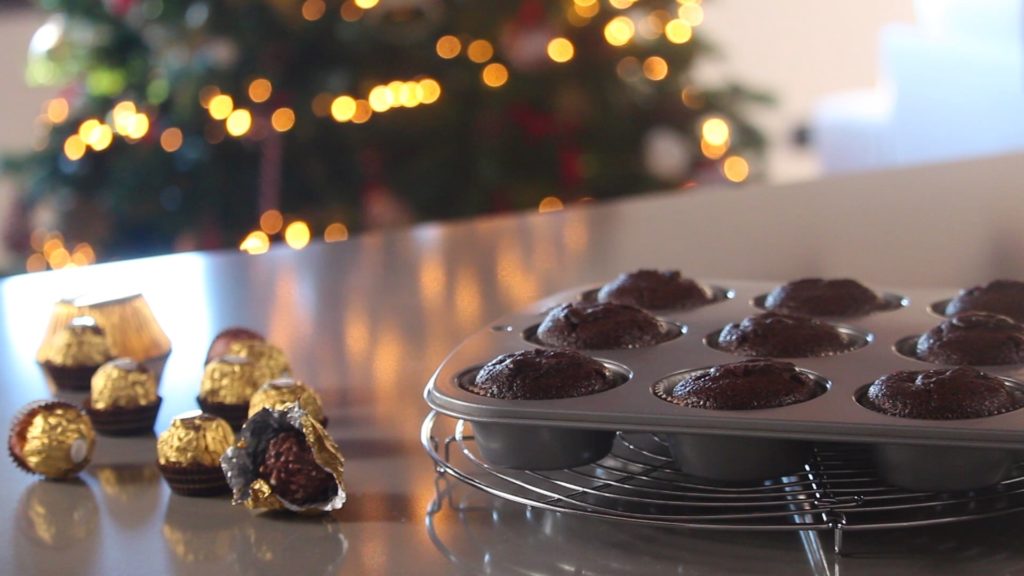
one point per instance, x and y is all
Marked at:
(366, 4)
(297, 235)
(410, 95)
(494, 75)
(221, 106)
(343, 108)
(692, 13)
(678, 31)
(736, 168)
(550, 204)
(260, 90)
(380, 98)
(655, 68)
(257, 242)
(480, 51)
(35, 263)
(363, 112)
(336, 232)
(561, 50)
(713, 151)
(715, 131)
(448, 47)
(619, 31)
(102, 138)
(57, 110)
(350, 12)
(586, 11)
(313, 9)
(431, 90)
(239, 122)
(74, 148)
(621, 4)
(138, 127)
(271, 221)
(88, 129)
(171, 139)
(283, 119)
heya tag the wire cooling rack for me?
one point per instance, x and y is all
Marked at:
(838, 491)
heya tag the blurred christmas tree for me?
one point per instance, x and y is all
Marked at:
(195, 124)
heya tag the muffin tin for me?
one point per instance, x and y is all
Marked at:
(737, 445)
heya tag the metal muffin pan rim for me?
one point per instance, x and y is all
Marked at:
(632, 407)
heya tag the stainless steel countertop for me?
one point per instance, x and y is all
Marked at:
(367, 321)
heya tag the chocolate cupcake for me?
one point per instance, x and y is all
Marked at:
(75, 353)
(654, 290)
(977, 338)
(221, 344)
(541, 375)
(748, 385)
(820, 297)
(123, 399)
(1004, 297)
(601, 326)
(189, 452)
(945, 394)
(781, 335)
(228, 384)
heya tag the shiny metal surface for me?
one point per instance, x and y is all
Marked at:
(367, 321)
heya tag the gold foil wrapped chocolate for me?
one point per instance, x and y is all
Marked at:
(131, 328)
(229, 380)
(279, 393)
(122, 383)
(51, 438)
(245, 463)
(270, 360)
(194, 439)
(80, 343)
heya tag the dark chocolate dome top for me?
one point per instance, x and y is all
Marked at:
(1005, 297)
(746, 385)
(542, 375)
(944, 394)
(654, 290)
(977, 338)
(600, 326)
(782, 335)
(821, 297)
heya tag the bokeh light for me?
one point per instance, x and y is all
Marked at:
(494, 75)
(343, 108)
(260, 90)
(221, 106)
(448, 47)
(561, 50)
(480, 51)
(297, 235)
(678, 31)
(655, 68)
(619, 31)
(715, 131)
(271, 221)
(336, 232)
(550, 204)
(239, 122)
(735, 168)
(283, 119)
(171, 139)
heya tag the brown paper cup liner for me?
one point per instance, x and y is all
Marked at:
(195, 480)
(235, 414)
(124, 421)
(70, 378)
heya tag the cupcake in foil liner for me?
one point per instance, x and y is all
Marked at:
(75, 353)
(123, 399)
(279, 393)
(284, 459)
(51, 438)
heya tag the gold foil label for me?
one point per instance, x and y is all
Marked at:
(58, 441)
(277, 394)
(122, 383)
(194, 439)
(270, 360)
(229, 380)
(81, 343)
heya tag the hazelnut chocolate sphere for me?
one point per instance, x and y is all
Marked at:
(654, 290)
(51, 438)
(601, 326)
(75, 353)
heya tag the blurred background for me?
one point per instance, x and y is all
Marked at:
(142, 127)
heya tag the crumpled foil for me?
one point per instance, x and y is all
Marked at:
(277, 394)
(122, 383)
(194, 438)
(241, 462)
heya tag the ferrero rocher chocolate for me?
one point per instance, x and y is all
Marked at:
(75, 352)
(225, 338)
(284, 459)
(122, 383)
(189, 451)
(51, 438)
(270, 360)
(277, 394)
(229, 380)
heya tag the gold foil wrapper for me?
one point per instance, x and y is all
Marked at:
(122, 383)
(80, 343)
(229, 380)
(131, 328)
(270, 361)
(241, 466)
(279, 393)
(194, 438)
(54, 439)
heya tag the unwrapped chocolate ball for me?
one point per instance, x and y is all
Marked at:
(123, 399)
(51, 438)
(225, 338)
(284, 459)
(189, 452)
(75, 353)
(277, 394)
